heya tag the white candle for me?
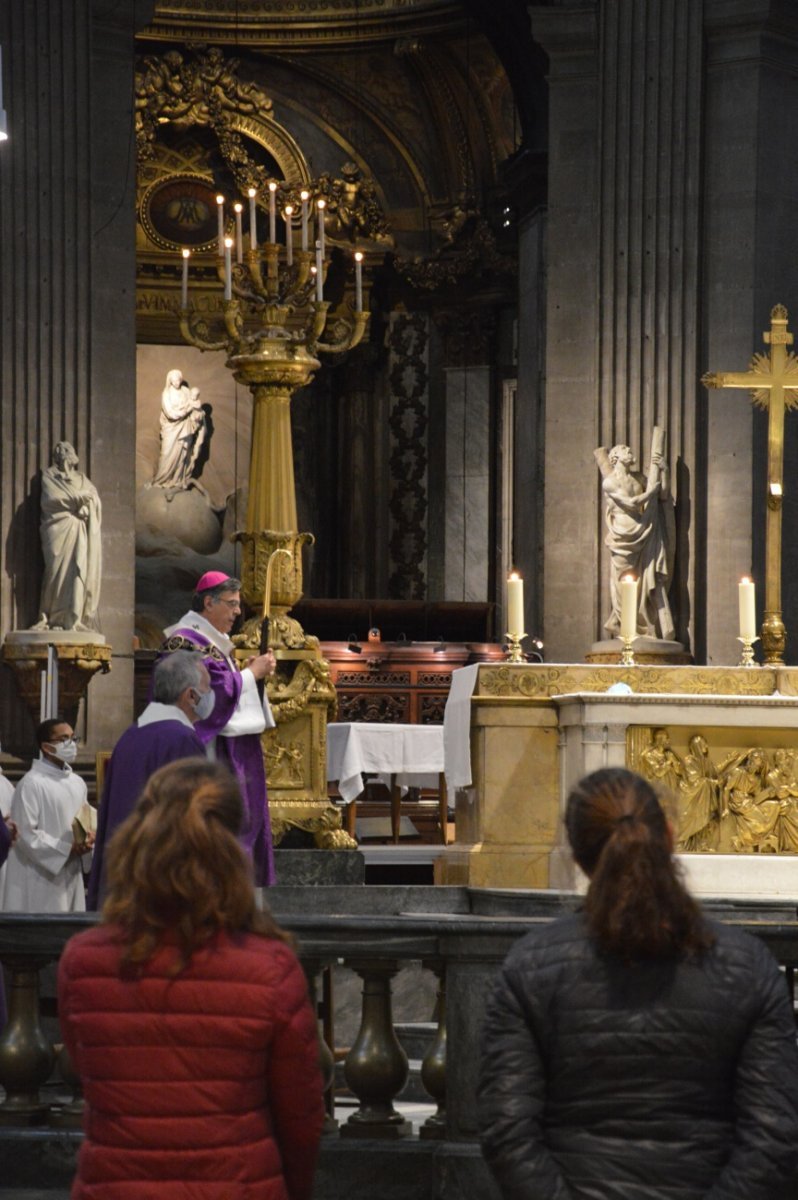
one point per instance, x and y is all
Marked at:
(184, 287)
(304, 197)
(628, 606)
(319, 274)
(272, 212)
(253, 220)
(747, 596)
(358, 281)
(321, 204)
(238, 210)
(220, 222)
(289, 234)
(228, 269)
(515, 605)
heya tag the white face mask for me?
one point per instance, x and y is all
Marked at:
(66, 751)
(204, 704)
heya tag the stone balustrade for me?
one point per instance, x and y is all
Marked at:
(460, 935)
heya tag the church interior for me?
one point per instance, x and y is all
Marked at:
(441, 325)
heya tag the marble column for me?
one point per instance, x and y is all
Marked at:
(67, 337)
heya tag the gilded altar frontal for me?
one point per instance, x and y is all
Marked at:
(726, 791)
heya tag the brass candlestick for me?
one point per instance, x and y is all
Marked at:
(514, 652)
(628, 654)
(747, 657)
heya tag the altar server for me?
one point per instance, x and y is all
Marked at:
(163, 733)
(232, 731)
(8, 829)
(43, 873)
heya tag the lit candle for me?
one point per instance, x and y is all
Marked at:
(321, 204)
(238, 210)
(220, 222)
(304, 197)
(228, 269)
(289, 234)
(272, 212)
(747, 596)
(319, 274)
(628, 606)
(184, 288)
(515, 605)
(358, 281)
(253, 220)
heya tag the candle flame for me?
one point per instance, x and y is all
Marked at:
(220, 199)
(228, 243)
(186, 253)
(303, 195)
(628, 579)
(272, 186)
(358, 256)
(745, 579)
(321, 202)
(513, 575)
(252, 193)
(238, 207)
(289, 210)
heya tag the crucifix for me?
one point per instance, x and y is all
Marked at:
(772, 380)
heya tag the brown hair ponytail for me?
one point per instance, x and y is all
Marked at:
(636, 906)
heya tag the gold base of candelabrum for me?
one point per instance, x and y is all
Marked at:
(628, 654)
(747, 657)
(514, 652)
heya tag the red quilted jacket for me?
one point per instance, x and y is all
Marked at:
(200, 1087)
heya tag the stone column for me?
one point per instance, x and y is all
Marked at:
(67, 278)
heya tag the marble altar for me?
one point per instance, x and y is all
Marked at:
(536, 728)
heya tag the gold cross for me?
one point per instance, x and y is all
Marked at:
(772, 380)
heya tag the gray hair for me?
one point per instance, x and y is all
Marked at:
(173, 674)
(215, 593)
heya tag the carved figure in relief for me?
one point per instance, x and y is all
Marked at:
(184, 429)
(640, 535)
(71, 544)
(660, 762)
(699, 800)
(784, 784)
(748, 798)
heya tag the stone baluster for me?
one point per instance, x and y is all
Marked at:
(433, 1067)
(26, 1055)
(313, 967)
(69, 1115)
(376, 1066)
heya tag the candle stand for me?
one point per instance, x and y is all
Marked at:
(747, 656)
(514, 652)
(273, 329)
(628, 654)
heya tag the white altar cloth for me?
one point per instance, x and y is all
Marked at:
(457, 727)
(411, 753)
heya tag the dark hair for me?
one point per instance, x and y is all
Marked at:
(215, 593)
(636, 905)
(44, 731)
(176, 870)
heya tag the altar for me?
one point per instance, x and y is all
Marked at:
(720, 741)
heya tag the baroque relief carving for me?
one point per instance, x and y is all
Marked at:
(541, 682)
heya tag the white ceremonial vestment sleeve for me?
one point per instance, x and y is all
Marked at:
(250, 715)
(50, 850)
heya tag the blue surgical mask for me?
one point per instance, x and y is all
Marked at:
(204, 704)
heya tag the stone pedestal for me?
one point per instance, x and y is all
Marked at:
(80, 657)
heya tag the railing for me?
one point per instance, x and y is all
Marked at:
(459, 934)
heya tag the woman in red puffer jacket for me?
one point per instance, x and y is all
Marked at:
(186, 1014)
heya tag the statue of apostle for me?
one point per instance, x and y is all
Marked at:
(231, 733)
(640, 535)
(71, 544)
(184, 429)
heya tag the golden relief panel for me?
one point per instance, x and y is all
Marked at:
(726, 791)
(541, 682)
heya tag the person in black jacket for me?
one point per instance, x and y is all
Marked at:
(635, 1050)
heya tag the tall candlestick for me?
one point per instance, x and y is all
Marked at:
(289, 234)
(319, 273)
(272, 212)
(304, 197)
(184, 287)
(628, 607)
(253, 220)
(228, 269)
(321, 204)
(358, 281)
(747, 598)
(220, 222)
(515, 605)
(238, 210)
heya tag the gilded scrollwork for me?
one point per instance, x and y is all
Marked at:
(535, 681)
(290, 698)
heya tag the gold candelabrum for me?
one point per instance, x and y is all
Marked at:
(274, 327)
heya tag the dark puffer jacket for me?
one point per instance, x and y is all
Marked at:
(658, 1081)
(201, 1087)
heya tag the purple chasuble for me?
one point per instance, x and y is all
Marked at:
(243, 754)
(5, 841)
(137, 755)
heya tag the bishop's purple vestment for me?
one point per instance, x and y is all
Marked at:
(141, 750)
(232, 732)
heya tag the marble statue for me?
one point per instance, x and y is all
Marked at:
(71, 544)
(640, 535)
(184, 430)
